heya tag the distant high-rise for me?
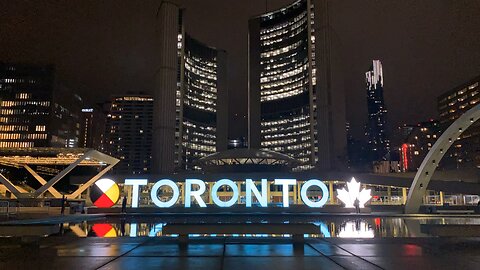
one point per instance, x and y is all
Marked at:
(417, 143)
(295, 105)
(128, 133)
(191, 99)
(378, 142)
(92, 129)
(34, 110)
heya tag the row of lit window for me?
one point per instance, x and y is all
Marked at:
(22, 111)
(142, 99)
(286, 134)
(204, 66)
(283, 67)
(24, 103)
(301, 140)
(281, 75)
(281, 128)
(284, 121)
(199, 106)
(193, 139)
(283, 25)
(13, 128)
(289, 58)
(211, 87)
(299, 146)
(203, 135)
(280, 32)
(279, 142)
(18, 136)
(291, 82)
(16, 144)
(201, 94)
(303, 168)
(16, 81)
(204, 61)
(279, 39)
(200, 72)
(287, 92)
(199, 126)
(199, 147)
(282, 50)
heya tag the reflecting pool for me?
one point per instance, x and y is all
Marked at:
(346, 227)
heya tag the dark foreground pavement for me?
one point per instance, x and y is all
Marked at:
(246, 254)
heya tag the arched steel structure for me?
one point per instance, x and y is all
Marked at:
(429, 164)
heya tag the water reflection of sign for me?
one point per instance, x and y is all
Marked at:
(104, 230)
(356, 229)
(354, 193)
(195, 188)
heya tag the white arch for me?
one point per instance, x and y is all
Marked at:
(429, 164)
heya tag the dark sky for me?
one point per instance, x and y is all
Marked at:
(106, 47)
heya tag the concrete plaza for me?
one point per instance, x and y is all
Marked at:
(70, 253)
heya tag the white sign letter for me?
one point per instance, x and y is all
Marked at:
(195, 193)
(285, 183)
(156, 187)
(250, 187)
(217, 185)
(323, 187)
(135, 183)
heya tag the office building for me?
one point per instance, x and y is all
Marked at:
(295, 105)
(377, 140)
(451, 105)
(191, 99)
(128, 134)
(417, 143)
(93, 126)
(35, 111)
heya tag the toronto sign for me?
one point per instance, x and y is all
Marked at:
(193, 189)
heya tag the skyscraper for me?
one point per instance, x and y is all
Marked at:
(191, 99)
(128, 133)
(378, 142)
(295, 106)
(34, 110)
(92, 130)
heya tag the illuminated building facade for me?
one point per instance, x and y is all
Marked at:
(128, 134)
(93, 125)
(34, 111)
(417, 143)
(451, 105)
(191, 107)
(379, 144)
(293, 108)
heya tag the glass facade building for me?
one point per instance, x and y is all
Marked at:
(191, 107)
(128, 133)
(378, 142)
(451, 105)
(34, 111)
(289, 111)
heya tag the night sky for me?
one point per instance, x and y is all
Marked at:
(105, 47)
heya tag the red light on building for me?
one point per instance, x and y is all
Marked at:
(404, 156)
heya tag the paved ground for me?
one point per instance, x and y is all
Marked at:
(233, 253)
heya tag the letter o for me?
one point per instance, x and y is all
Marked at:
(217, 200)
(156, 187)
(325, 194)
